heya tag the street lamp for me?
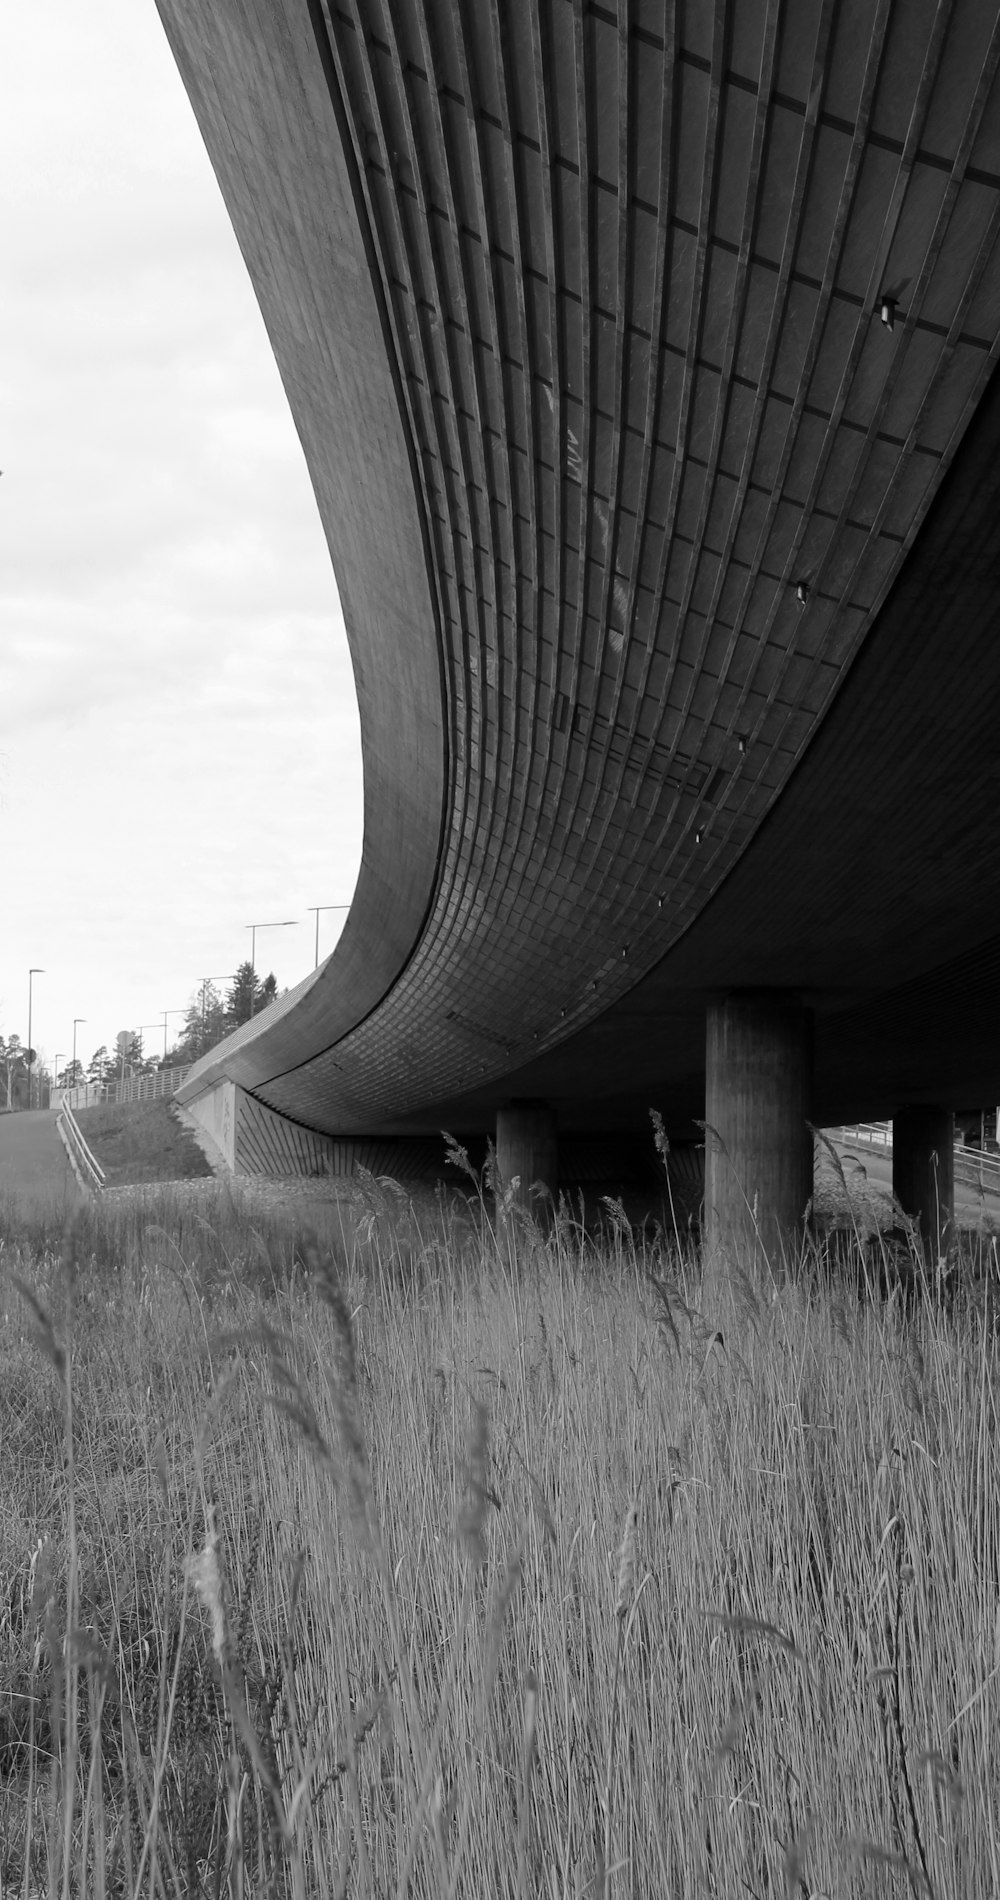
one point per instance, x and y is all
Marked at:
(140, 1029)
(286, 923)
(36, 970)
(317, 908)
(166, 1013)
(76, 1019)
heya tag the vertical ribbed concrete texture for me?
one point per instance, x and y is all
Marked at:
(923, 1171)
(527, 1147)
(758, 1147)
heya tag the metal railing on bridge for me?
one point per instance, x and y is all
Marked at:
(974, 1167)
(863, 1134)
(134, 1088)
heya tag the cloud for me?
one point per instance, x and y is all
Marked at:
(179, 748)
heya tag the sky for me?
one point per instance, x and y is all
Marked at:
(179, 746)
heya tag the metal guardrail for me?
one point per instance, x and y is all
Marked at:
(87, 1169)
(868, 1134)
(137, 1088)
(974, 1167)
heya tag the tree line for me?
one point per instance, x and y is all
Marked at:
(211, 1015)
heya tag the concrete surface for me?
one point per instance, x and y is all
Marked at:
(34, 1170)
(643, 361)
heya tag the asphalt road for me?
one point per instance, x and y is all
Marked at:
(34, 1170)
(873, 1168)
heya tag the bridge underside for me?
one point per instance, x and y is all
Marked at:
(644, 364)
(871, 891)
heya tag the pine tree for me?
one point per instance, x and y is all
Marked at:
(248, 994)
(205, 1023)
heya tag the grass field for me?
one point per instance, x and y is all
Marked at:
(454, 1561)
(140, 1141)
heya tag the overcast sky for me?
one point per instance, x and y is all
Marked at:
(179, 753)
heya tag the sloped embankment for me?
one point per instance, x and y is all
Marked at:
(141, 1141)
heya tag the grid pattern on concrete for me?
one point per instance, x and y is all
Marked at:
(270, 1144)
(686, 327)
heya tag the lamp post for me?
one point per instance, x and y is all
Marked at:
(36, 970)
(286, 923)
(142, 1026)
(166, 1013)
(76, 1019)
(317, 908)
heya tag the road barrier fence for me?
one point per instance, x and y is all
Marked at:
(974, 1167)
(134, 1088)
(87, 1169)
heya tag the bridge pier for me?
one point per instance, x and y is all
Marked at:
(923, 1172)
(527, 1147)
(758, 1147)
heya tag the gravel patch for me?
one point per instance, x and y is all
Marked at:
(246, 1190)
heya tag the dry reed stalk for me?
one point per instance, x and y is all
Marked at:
(662, 1147)
(494, 1631)
(808, 1446)
(528, 1747)
(623, 1599)
(626, 1561)
(472, 1514)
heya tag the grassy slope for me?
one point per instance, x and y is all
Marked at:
(530, 1582)
(141, 1141)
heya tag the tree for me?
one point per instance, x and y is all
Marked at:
(100, 1063)
(72, 1075)
(122, 1065)
(247, 994)
(205, 1023)
(14, 1061)
(16, 1065)
(136, 1062)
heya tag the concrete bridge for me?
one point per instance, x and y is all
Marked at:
(643, 357)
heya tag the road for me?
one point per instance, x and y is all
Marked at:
(34, 1170)
(870, 1169)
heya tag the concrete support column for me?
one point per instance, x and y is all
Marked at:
(526, 1147)
(923, 1172)
(758, 1148)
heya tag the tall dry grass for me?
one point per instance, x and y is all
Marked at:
(438, 1558)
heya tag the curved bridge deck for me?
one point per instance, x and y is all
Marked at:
(643, 357)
